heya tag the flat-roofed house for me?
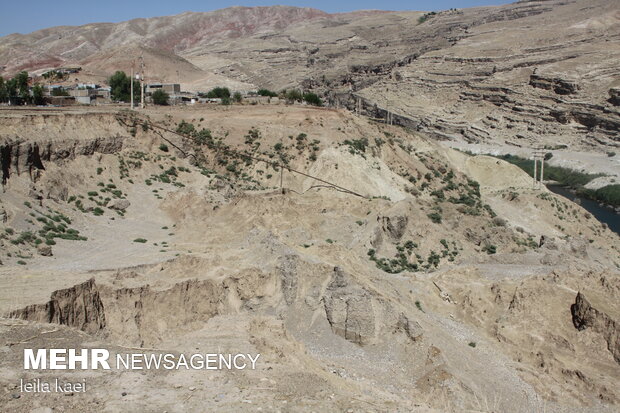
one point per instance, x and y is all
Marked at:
(169, 88)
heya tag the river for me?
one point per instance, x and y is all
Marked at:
(602, 213)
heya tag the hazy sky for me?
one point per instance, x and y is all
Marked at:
(31, 15)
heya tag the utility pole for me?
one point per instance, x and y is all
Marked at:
(535, 170)
(132, 79)
(142, 81)
(539, 155)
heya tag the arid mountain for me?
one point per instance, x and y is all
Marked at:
(68, 44)
(505, 78)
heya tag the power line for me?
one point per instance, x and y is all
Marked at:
(236, 153)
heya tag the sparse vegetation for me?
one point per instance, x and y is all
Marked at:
(609, 194)
(266, 92)
(313, 99)
(489, 249)
(435, 217)
(564, 176)
(426, 17)
(357, 146)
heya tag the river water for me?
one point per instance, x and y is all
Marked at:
(602, 213)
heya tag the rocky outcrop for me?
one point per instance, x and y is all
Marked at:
(79, 306)
(17, 157)
(145, 315)
(556, 84)
(120, 204)
(585, 316)
(412, 329)
(287, 267)
(349, 309)
(44, 250)
(614, 96)
(394, 226)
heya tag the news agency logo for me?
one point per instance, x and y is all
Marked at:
(99, 359)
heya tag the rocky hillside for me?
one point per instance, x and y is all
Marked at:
(371, 267)
(71, 45)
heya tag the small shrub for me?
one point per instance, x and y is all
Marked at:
(435, 217)
(426, 16)
(163, 147)
(472, 344)
(313, 99)
(140, 240)
(490, 249)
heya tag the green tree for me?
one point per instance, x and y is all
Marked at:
(11, 90)
(219, 93)
(4, 96)
(237, 97)
(120, 84)
(160, 97)
(37, 95)
(21, 82)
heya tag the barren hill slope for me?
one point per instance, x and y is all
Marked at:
(72, 44)
(421, 282)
